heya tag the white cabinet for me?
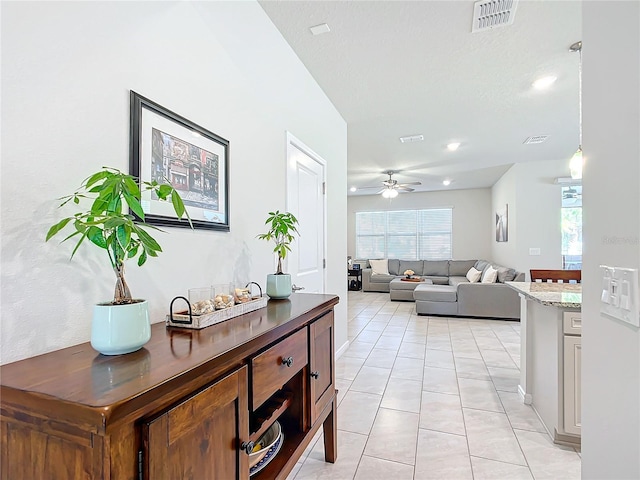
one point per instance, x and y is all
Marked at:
(572, 384)
(572, 361)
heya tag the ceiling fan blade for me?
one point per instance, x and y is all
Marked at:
(375, 186)
(409, 183)
(405, 189)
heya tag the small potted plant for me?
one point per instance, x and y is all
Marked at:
(122, 325)
(282, 228)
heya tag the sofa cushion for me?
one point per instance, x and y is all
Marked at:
(436, 268)
(437, 280)
(459, 268)
(415, 265)
(394, 266)
(436, 293)
(505, 274)
(455, 281)
(490, 275)
(379, 267)
(473, 275)
(481, 265)
(381, 278)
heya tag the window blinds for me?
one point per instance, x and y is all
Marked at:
(405, 234)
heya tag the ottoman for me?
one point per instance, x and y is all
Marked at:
(436, 299)
(401, 290)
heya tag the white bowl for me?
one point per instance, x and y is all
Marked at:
(266, 441)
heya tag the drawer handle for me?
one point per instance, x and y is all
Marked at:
(288, 361)
(314, 375)
(247, 447)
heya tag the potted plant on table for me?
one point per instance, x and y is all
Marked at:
(122, 325)
(282, 228)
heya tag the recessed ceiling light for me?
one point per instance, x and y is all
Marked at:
(353, 189)
(320, 29)
(453, 146)
(412, 138)
(544, 82)
(446, 183)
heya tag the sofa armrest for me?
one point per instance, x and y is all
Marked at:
(488, 300)
(366, 279)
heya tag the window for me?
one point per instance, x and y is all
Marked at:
(571, 224)
(405, 234)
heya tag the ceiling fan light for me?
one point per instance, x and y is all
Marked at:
(389, 193)
(575, 164)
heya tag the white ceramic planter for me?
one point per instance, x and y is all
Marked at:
(278, 286)
(119, 329)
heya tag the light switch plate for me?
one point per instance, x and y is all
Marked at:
(620, 294)
(534, 251)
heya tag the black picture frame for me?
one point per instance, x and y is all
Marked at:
(165, 146)
(355, 266)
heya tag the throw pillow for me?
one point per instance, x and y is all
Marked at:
(490, 275)
(473, 275)
(379, 267)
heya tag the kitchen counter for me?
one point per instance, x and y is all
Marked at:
(563, 295)
(550, 355)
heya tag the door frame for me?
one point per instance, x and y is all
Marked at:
(293, 142)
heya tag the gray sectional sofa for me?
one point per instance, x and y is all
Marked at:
(449, 292)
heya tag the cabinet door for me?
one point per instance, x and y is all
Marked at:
(321, 358)
(572, 384)
(200, 437)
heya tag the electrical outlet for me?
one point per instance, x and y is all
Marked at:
(534, 251)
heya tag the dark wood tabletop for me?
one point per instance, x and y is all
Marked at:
(80, 375)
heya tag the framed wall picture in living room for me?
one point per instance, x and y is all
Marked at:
(167, 147)
(502, 224)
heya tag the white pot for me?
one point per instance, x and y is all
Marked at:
(119, 329)
(278, 286)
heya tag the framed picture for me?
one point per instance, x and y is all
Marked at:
(502, 224)
(169, 148)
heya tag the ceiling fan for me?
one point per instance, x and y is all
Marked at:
(391, 187)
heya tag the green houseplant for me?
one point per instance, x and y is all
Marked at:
(108, 225)
(282, 227)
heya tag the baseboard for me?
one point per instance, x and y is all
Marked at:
(342, 349)
(527, 398)
(566, 439)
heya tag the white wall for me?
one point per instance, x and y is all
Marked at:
(534, 215)
(67, 68)
(471, 215)
(611, 232)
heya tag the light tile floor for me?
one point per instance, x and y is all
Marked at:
(433, 398)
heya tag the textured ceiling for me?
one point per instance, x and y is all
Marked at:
(397, 68)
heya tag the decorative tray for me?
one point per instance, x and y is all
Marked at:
(185, 319)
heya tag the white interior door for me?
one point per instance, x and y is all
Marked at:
(306, 200)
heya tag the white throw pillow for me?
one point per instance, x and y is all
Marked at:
(490, 275)
(473, 275)
(379, 267)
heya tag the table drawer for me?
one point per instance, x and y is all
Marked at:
(272, 369)
(572, 323)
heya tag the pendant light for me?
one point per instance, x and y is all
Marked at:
(575, 164)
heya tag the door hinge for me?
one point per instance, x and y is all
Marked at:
(324, 263)
(324, 188)
(140, 465)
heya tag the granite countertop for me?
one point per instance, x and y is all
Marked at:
(565, 295)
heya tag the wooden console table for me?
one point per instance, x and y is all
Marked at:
(187, 405)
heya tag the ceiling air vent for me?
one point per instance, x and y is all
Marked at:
(536, 139)
(494, 13)
(412, 138)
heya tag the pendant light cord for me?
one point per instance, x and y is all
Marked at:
(577, 47)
